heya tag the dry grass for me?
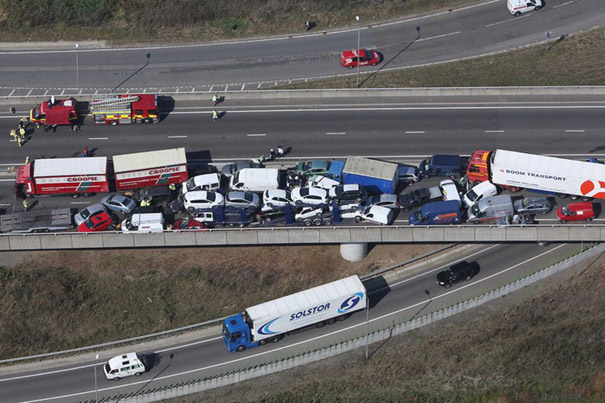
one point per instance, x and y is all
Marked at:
(58, 300)
(544, 343)
(127, 21)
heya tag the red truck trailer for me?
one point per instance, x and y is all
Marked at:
(55, 112)
(125, 109)
(151, 168)
(63, 176)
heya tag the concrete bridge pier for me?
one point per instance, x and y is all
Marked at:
(354, 252)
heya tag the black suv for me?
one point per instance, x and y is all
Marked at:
(413, 199)
(458, 272)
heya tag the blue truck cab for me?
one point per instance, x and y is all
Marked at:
(335, 171)
(445, 165)
(437, 213)
(237, 334)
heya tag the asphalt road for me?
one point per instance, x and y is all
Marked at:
(445, 36)
(400, 300)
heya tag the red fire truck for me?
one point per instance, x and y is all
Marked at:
(55, 112)
(125, 109)
(63, 176)
(151, 168)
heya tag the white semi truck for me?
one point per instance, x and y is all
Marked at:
(517, 170)
(270, 321)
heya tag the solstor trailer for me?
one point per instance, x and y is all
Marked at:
(271, 320)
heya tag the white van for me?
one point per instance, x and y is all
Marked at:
(478, 192)
(256, 179)
(518, 7)
(211, 182)
(143, 222)
(124, 365)
(375, 214)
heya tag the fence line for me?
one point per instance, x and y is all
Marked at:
(379, 334)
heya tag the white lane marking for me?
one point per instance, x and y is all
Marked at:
(256, 134)
(414, 132)
(4, 204)
(574, 131)
(98, 138)
(335, 133)
(438, 36)
(177, 137)
(493, 131)
(564, 4)
(510, 20)
(421, 303)
(7, 180)
(399, 108)
(79, 203)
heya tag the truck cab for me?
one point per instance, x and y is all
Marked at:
(25, 181)
(55, 112)
(478, 167)
(237, 334)
(441, 165)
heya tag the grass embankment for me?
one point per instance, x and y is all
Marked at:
(57, 300)
(576, 60)
(127, 21)
(543, 343)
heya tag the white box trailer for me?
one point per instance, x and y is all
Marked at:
(548, 174)
(267, 321)
(151, 168)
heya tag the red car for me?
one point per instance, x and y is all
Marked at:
(188, 224)
(97, 222)
(366, 57)
(576, 212)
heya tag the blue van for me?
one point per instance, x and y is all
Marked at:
(441, 165)
(437, 213)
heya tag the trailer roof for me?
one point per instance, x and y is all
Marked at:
(375, 168)
(150, 159)
(306, 299)
(549, 165)
(70, 166)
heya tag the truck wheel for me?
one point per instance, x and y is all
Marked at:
(307, 222)
(331, 321)
(75, 196)
(574, 197)
(328, 222)
(275, 339)
(241, 348)
(231, 225)
(321, 324)
(342, 317)
(357, 219)
(586, 199)
(263, 342)
(113, 123)
(562, 195)
(317, 222)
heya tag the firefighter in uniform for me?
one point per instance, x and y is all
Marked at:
(146, 202)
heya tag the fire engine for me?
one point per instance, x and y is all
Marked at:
(55, 112)
(125, 109)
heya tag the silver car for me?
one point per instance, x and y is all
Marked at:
(533, 205)
(388, 200)
(88, 212)
(241, 199)
(118, 202)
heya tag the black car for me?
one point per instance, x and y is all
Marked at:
(347, 192)
(414, 198)
(458, 272)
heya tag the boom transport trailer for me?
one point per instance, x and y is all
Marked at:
(38, 221)
(152, 168)
(63, 176)
(375, 176)
(271, 320)
(125, 109)
(517, 170)
(55, 112)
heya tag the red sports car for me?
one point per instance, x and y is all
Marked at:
(97, 222)
(350, 59)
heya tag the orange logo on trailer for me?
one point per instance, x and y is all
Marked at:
(594, 189)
